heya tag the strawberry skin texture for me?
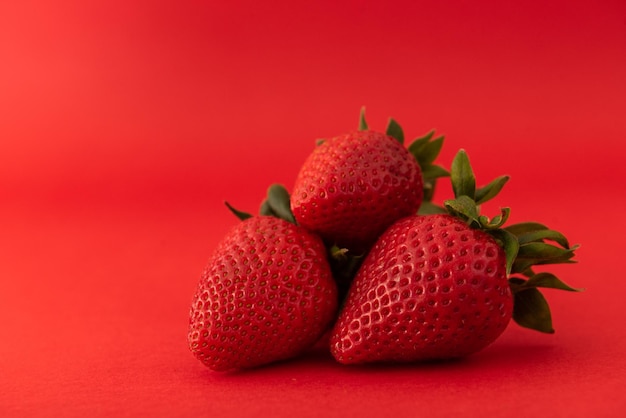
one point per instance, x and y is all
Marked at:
(352, 187)
(431, 288)
(266, 294)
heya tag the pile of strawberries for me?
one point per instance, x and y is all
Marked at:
(360, 258)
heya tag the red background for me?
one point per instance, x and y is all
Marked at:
(125, 124)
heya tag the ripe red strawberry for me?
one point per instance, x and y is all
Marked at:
(266, 295)
(430, 288)
(353, 186)
(435, 286)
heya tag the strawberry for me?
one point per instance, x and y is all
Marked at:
(439, 286)
(353, 186)
(266, 294)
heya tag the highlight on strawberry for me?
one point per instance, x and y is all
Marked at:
(360, 252)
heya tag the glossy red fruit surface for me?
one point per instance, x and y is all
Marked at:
(352, 187)
(431, 288)
(265, 295)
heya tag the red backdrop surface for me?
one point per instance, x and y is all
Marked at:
(125, 124)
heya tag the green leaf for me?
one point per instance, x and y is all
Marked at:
(538, 253)
(522, 265)
(394, 130)
(525, 227)
(429, 152)
(279, 203)
(266, 209)
(429, 208)
(239, 214)
(540, 235)
(417, 144)
(464, 207)
(490, 191)
(462, 176)
(531, 310)
(542, 251)
(434, 171)
(549, 280)
(497, 221)
(362, 122)
(425, 151)
(516, 283)
(509, 244)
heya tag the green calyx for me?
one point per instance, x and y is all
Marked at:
(425, 150)
(344, 266)
(362, 122)
(525, 245)
(276, 204)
